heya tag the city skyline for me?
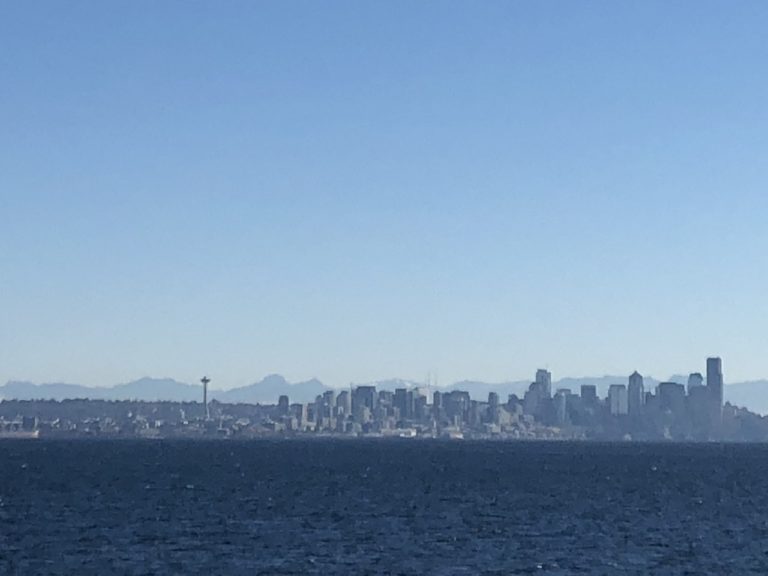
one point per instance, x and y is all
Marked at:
(636, 409)
(351, 191)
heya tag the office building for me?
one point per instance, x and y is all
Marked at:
(671, 397)
(589, 394)
(544, 383)
(561, 406)
(695, 380)
(715, 394)
(715, 381)
(618, 400)
(636, 394)
(282, 405)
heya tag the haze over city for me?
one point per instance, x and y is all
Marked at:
(358, 191)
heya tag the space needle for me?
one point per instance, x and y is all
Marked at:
(205, 380)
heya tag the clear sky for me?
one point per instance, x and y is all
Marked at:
(362, 190)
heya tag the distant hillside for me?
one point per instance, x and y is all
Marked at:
(57, 391)
(154, 389)
(148, 389)
(269, 389)
(752, 395)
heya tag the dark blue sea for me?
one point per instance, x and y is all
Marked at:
(381, 507)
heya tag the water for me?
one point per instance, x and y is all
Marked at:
(381, 507)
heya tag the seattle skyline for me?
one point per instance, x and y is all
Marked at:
(355, 192)
(637, 409)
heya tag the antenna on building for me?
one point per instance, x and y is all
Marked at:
(205, 380)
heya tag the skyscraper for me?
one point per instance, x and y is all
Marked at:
(715, 392)
(544, 382)
(617, 399)
(636, 397)
(715, 379)
(400, 401)
(364, 401)
(561, 406)
(695, 380)
(671, 397)
(282, 405)
(589, 394)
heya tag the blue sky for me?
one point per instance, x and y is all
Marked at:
(360, 190)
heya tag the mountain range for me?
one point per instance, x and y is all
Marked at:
(752, 395)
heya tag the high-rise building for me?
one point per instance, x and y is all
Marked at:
(364, 402)
(301, 414)
(457, 404)
(715, 380)
(538, 398)
(618, 400)
(671, 397)
(561, 406)
(636, 394)
(400, 401)
(715, 393)
(544, 382)
(282, 405)
(328, 409)
(419, 405)
(532, 399)
(589, 394)
(318, 412)
(344, 403)
(695, 379)
(698, 406)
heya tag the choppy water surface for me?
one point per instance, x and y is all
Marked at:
(387, 507)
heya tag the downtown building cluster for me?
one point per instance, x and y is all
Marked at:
(629, 411)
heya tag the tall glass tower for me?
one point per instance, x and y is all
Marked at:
(636, 393)
(715, 393)
(715, 380)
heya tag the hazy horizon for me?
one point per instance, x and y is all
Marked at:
(346, 190)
